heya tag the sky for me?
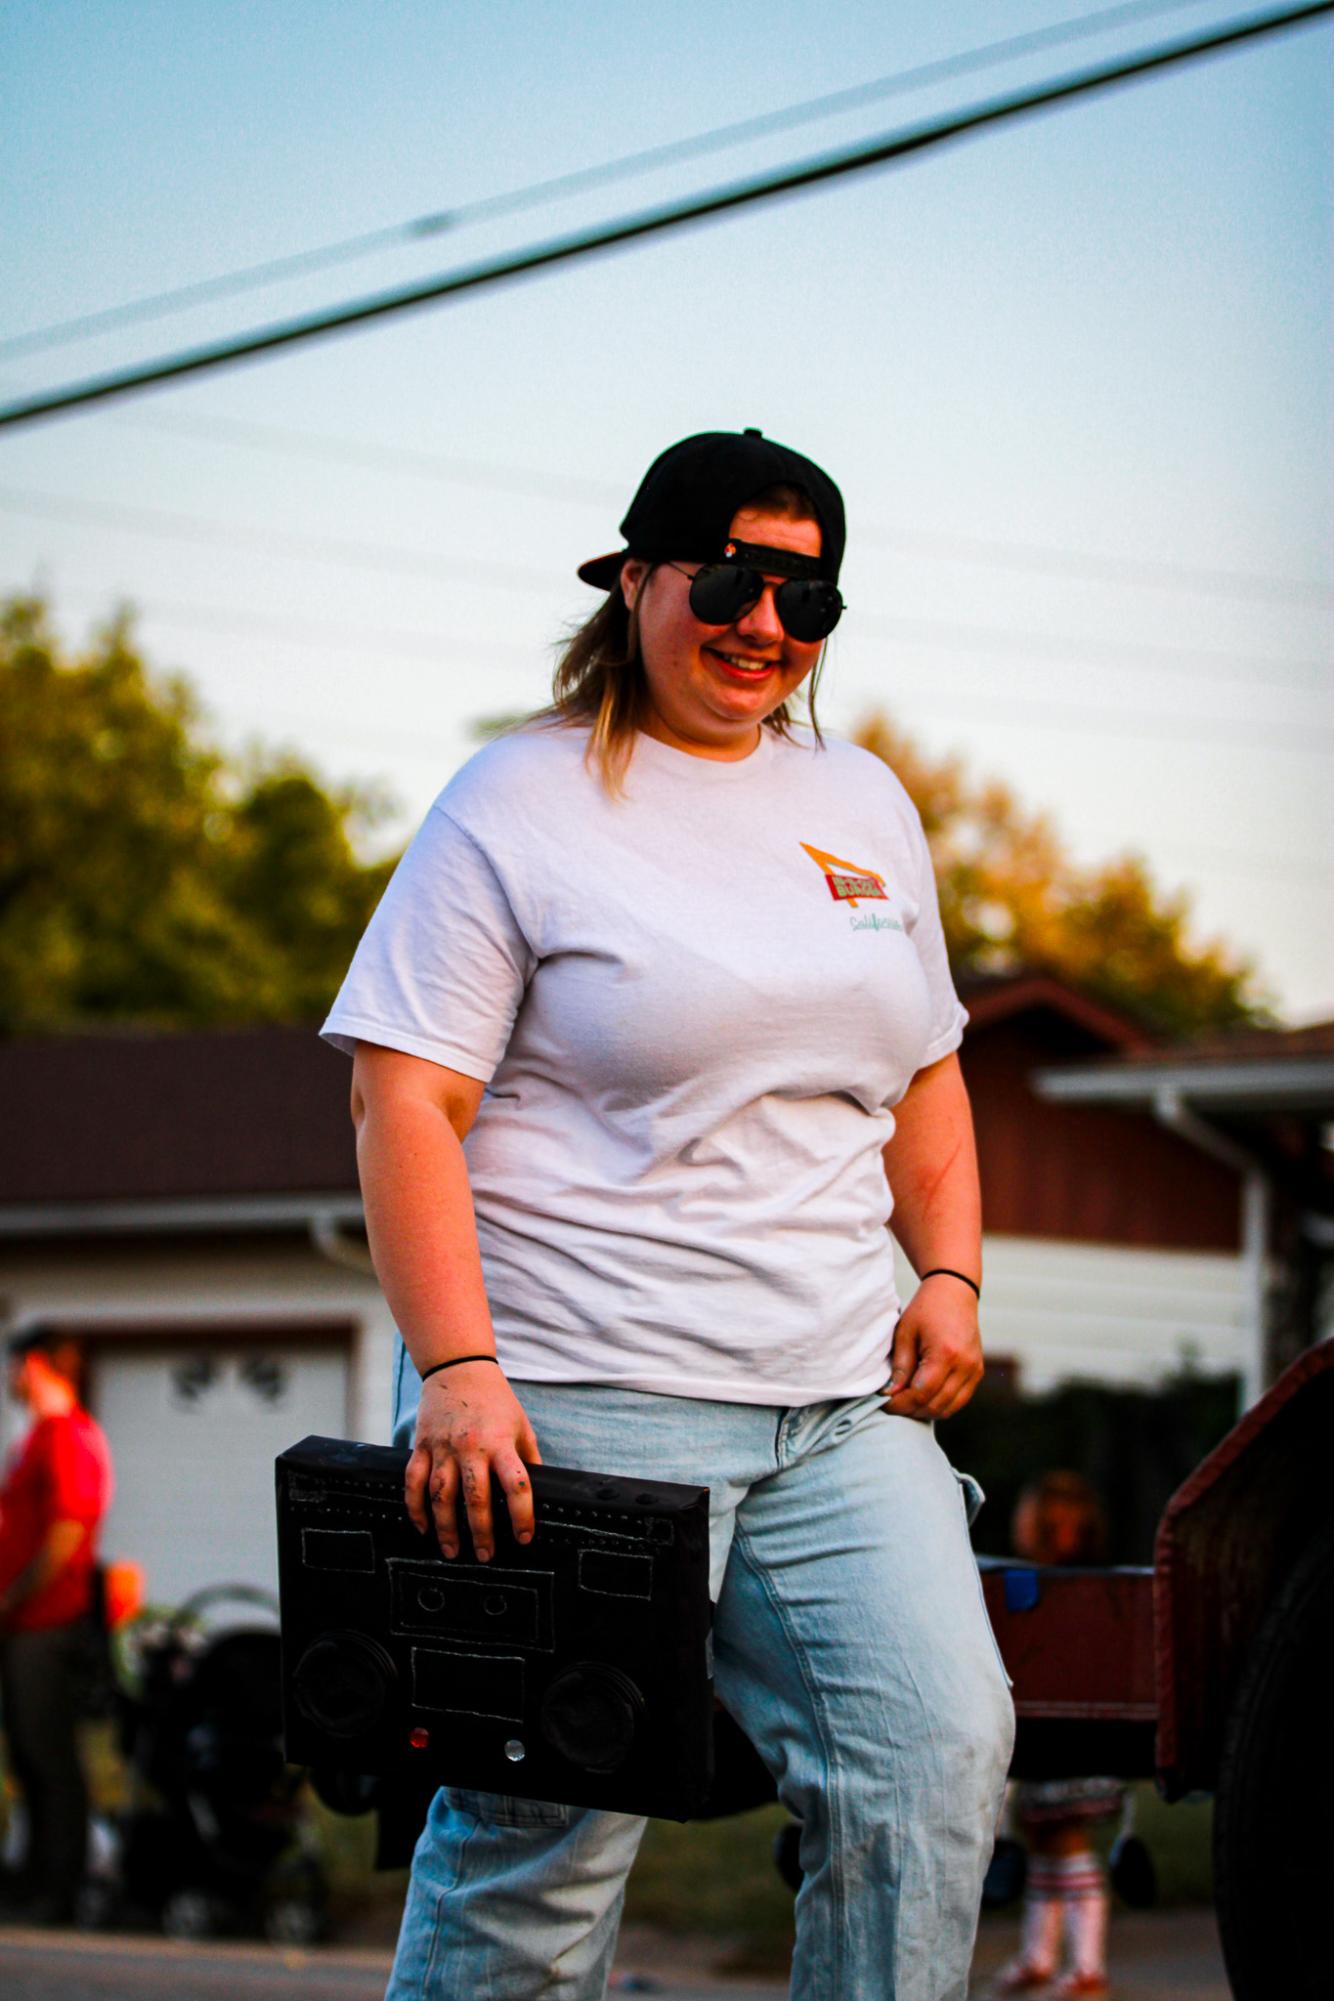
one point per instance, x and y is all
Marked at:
(1072, 375)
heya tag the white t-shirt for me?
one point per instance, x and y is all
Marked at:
(694, 1007)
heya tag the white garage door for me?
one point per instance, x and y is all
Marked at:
(194, 1434)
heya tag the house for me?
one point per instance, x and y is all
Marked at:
(1112, 1248)
(186, 1207)
(1259, 1103)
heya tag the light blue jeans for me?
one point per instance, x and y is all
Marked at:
(853, 1648)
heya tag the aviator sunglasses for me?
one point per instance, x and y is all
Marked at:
(808, 608)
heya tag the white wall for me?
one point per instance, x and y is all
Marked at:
(195, 1487)
(1103, 1313)
(194, 1433)
(1062, 1311)
(169, 1285)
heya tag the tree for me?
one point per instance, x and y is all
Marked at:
(1011, 898)
(145, 877)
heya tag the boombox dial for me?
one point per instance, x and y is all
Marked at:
(342, 1683)
(590, 1714)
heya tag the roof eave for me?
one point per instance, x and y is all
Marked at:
(178, 1216)
(1304, 1084)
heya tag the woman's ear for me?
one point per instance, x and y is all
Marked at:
(633, 572)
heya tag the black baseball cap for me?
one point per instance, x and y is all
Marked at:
(687, 498)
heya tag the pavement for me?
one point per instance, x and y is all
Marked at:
(1156, 1956)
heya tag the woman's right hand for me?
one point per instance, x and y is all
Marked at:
(470, 1425)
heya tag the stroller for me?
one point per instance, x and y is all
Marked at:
(213, 1840)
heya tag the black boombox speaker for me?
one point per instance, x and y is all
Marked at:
(576, 1668)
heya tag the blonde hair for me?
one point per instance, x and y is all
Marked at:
(599, 679)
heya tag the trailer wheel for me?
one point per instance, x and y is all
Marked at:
(1274, 1817)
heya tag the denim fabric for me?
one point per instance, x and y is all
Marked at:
(852, 1646)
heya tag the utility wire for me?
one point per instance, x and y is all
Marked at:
(525, 481)
(561, 250)
(445, 652)
(1064, 718)
(159, 305)
(1029, 714)
(1039, 558)
(1070, 647)
(345, 553)
(1291, 870)
(441, 649)
(499, 573)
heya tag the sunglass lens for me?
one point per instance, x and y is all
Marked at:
(722, 591)
(809, 611)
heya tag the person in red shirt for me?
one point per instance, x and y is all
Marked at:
(55, 1492)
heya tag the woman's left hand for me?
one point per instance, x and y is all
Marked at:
(936, 1361)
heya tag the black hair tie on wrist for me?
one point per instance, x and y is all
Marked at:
(454, 1362)
(944, 1271)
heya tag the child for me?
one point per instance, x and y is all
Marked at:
(1059, 1519)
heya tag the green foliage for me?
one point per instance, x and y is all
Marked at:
(1011, 899)
(1180, 1840)
(713, 1876)
(146, 878)
(143, 876)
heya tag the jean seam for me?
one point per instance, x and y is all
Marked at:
(438, 1919)
(833, 1793)
(997, 1655)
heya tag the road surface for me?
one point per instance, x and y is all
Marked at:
(1156, 1956)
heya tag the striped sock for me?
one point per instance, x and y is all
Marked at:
(1040, 1936)
(1087, 1905)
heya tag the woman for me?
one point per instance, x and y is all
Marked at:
(674, 970)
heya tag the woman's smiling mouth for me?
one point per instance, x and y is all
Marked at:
(743, 667)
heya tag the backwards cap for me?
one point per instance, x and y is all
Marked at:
(688, 496)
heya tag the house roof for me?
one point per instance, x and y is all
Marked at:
(249, 1127)
(1254, 1070)
(214, 1116)
(1284, 1045)
(999, 997)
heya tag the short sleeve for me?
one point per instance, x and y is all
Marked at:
(443, 964)
(78, 1474)
(948, 1017)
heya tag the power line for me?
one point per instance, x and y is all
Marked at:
(326, 635)
(1033, 558)
(1192, 729)
(344, 553)
(529, 482)
(966, 638)
(158, 305)
(1024, 712)
(338, 636)
(544, 256)
(492, 573)
(1241, 860)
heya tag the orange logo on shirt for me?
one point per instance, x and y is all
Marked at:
(848, 882)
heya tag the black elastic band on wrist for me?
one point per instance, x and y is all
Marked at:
(454, 1362)
(944, 1271)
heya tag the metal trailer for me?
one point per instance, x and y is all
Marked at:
(1211, 1672)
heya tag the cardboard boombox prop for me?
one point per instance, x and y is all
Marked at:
(576, 1668)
